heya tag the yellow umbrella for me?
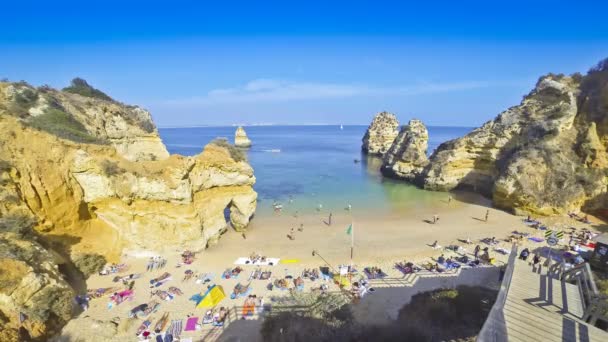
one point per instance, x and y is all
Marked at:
(213, 296)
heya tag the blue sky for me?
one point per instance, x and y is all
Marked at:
(197, 63)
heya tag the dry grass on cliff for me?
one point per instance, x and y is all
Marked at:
(236, 154)
(63, 125)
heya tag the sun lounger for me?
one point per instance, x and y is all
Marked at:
(536, 239)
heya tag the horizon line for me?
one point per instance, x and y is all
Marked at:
(279, 125)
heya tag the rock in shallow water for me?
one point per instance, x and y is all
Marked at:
(380, 134)
(407, 156)
(240, 138)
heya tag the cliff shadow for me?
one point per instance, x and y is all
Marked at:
(62, 245)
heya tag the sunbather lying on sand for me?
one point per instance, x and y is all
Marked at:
(176, 291)
(164, 295)
(220, 317)
(298, 282)
(162, 277)
(114, 268)
(187, 257)
(281, 283)
(232, 273)
(406, 267)
(374, 272)
(208, 317)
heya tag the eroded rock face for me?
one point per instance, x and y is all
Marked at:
(407, 156)
(31, 285)
(98, 180)
(380, 134)
(544, 156)
(240, 138)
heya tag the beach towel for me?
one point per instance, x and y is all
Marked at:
(176, 328)
(191, 324)
(536, 239)
(233, 296)
(290, 261)
(373, 276)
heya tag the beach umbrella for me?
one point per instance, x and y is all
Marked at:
(212, 297)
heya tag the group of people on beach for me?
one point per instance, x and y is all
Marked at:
(155, 263)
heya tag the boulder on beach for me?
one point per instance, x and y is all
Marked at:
(240, 138)
(380, 134)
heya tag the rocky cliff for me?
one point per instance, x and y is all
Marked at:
(240, 138)
(97, 180)
(380, 134)
(545, 156)
(407, 156)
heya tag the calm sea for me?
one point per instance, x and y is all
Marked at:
(315, 166)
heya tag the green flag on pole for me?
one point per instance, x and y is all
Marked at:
(349, 229)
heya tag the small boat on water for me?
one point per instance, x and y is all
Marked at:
(274, 150)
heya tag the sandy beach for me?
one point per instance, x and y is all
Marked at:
(379, 240)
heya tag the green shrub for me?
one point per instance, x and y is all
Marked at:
(89, 264)
(63, 125)
(4, 166)
(81, 87)
(235, 153)
(111, 168)
(23, 100)
(52, 303)
(440, 315)
(21, 224)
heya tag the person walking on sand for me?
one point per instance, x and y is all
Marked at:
(449, 200)
(435, 218)
(301, 229)
(329, 221)
(487, 214)
(476, 252)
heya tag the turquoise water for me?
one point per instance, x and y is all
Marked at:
(314, 166)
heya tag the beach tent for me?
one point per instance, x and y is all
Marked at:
(214, 295)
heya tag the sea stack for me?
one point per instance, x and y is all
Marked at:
(380, 134)
(406, 158)
(240, 138)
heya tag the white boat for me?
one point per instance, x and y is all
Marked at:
(274, 150)
(341, 127)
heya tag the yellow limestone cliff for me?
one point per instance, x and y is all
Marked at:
(95, 178)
